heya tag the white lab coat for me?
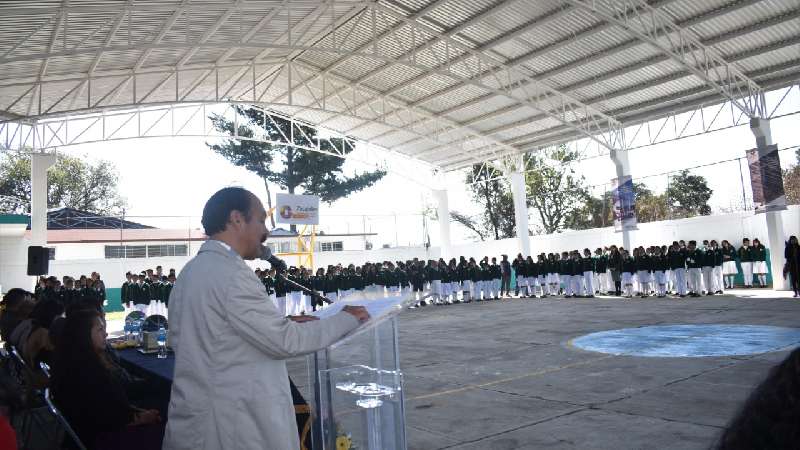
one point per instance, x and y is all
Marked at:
(231, 388)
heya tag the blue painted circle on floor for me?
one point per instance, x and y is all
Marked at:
(690, 340)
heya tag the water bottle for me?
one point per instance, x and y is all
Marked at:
(128, 330)
(162, 342)
(136, 327)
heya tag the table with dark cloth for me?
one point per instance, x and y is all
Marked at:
(159, 374)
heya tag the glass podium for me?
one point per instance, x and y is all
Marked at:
(358, 385)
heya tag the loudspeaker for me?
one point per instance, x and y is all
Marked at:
(38, 260)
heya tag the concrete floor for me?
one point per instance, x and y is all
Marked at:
(502, 375)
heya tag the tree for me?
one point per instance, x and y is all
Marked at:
(72, 182)
(555, 190)
(290, 167)
(492, 193)
(791, 182)
(689, 195)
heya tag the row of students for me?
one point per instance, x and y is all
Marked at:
(68, 290)
(147, 286)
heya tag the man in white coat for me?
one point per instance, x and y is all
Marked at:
(231, 387)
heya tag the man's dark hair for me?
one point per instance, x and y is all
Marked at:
(219, 207)
(769, 417)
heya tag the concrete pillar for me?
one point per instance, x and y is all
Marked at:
(519, 193)
(623, 168)
(443, 209)
(775, 234)
(40, 162)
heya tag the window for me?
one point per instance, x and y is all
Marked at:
(135, 251)
(330, 246)
(145, 251)
(115, 251)
(154, 251)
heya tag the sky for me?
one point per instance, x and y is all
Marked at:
(166, 181)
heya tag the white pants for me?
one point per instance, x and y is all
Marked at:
(436, 288)
(577, 285)
(475, 292)
(305, 306)
(280, 303)
(708, 279)
(719, 285)
(644, 281)
(680, 280)
(496, 283)
(294, 303)
(661, 282)
(747, 272)
(627, 283)
(696, 280)
(588, 280)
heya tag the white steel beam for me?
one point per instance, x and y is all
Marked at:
(659, 30)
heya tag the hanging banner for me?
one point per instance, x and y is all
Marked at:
(624, 204)
(297, 209)
(766, 179)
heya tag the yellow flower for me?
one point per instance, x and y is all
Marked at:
(343, 443)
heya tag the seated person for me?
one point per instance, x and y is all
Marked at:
(91, 396)
(16, 306)
(39, 347)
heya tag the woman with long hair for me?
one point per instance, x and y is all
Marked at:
(792, 255)
(91, 396)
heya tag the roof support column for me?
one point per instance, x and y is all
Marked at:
(443, 210)
(40, 163)
(623, 168)
(519, 193)
(775, 234)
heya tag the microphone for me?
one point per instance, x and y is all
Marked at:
(274, 261)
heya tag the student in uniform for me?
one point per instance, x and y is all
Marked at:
(521, 273)
(601, 271)
(565, 274)
(588, 266)
(532, 269)
(495, 272)
(760, 263)
(516, 265)
(628, 269)
(708, 268)
(434, 276)
(642, 262)
(554, 276)
(445, 274)
(124, 293)
(660, 265)
(717, 271)
(331, 289)
(676, 259)
(576, 274)
(473, 272)
(464, 279)
(541, 266)
(694, 264)
(746, 261)
(729, 270)
(455, 281)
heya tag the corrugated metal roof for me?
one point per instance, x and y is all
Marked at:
(478, 65)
